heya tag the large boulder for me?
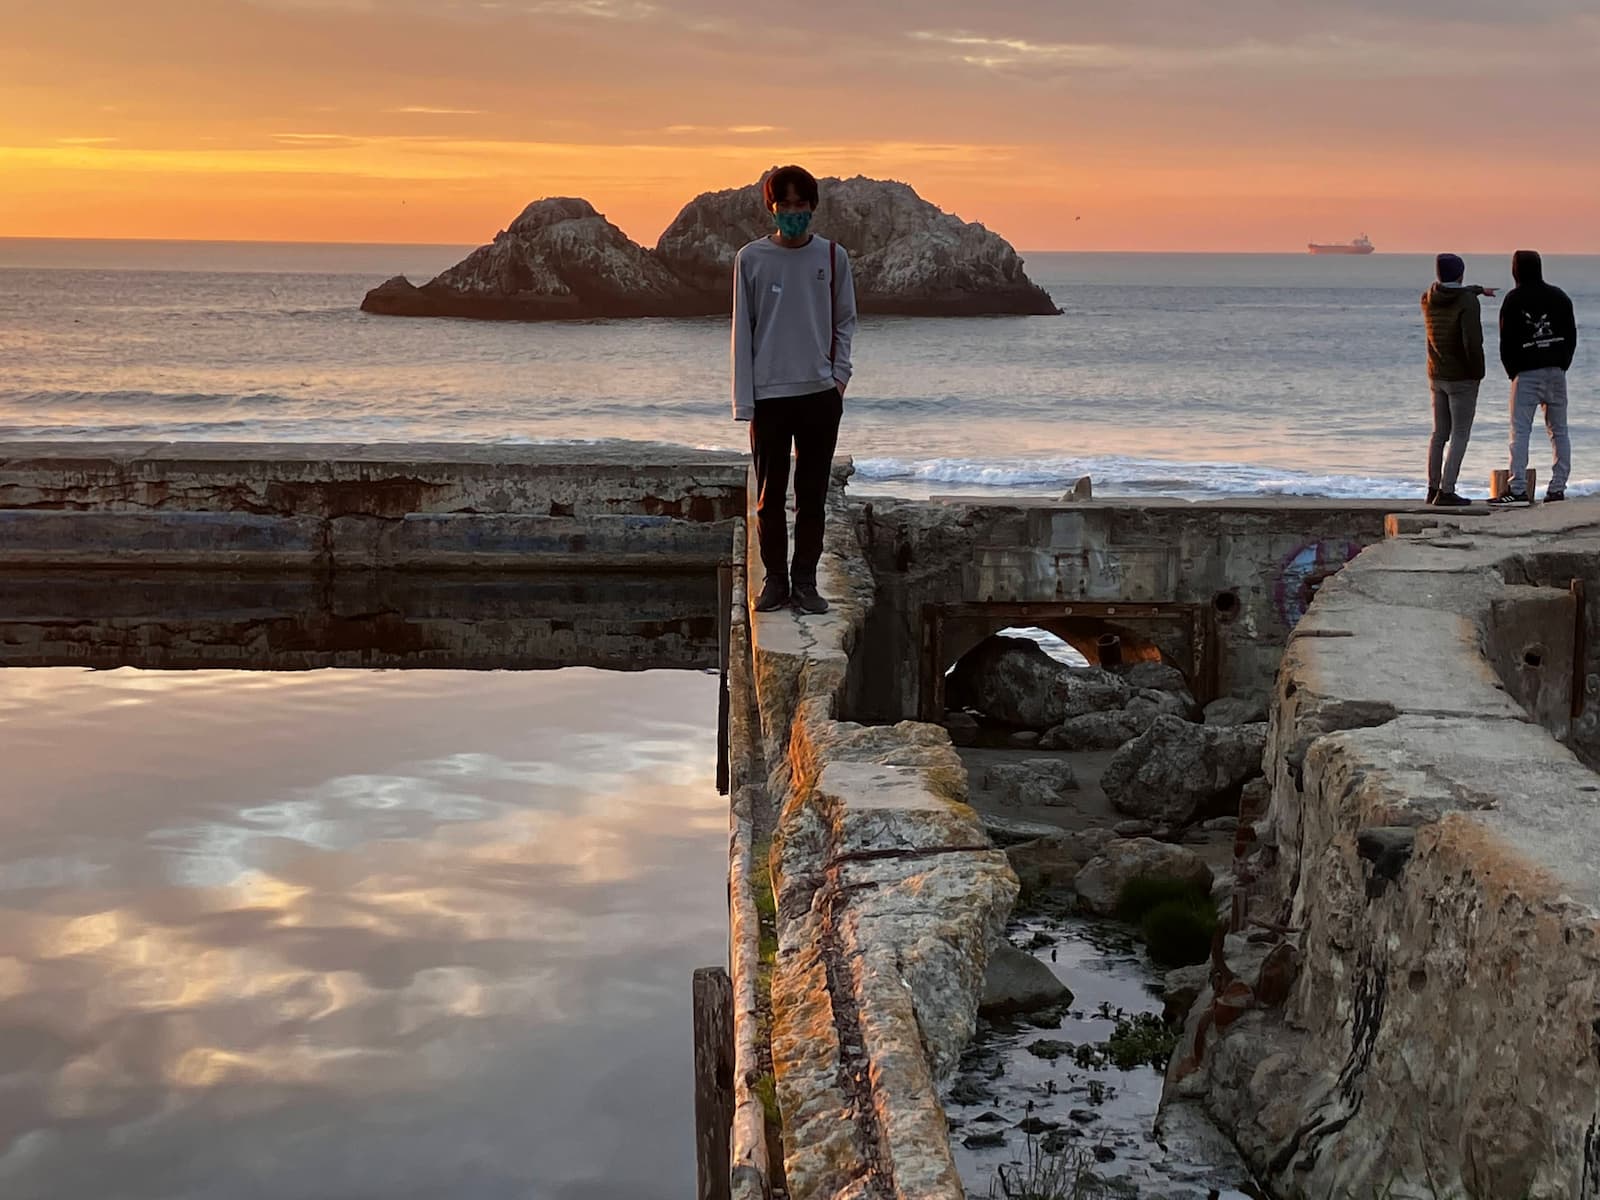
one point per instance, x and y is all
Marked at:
(1153, 673)
(1162, 685)
(1012, 831)
(1035, 782)
(907, 256)
(1153, 703)
(962, 727)
(1054, 860)
(1014, 682)
(1181, 987)
(559, 259)
(562, 259)
(1099, 884)
(1095, 731)
(1017, 982)
(1234, 710)
(1176, 771)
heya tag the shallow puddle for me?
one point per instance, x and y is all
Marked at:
(1099, 1116)
(354, 933)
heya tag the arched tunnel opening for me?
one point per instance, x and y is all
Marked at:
(1114, 637)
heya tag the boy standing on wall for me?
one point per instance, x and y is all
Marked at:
(794, 317)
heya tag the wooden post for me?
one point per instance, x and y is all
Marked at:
(713, 1081)
(1500, 483)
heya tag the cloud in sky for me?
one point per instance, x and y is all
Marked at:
(429, 110)
(604, 10)
(738, 129)
(1163, 122)
(1324, 54)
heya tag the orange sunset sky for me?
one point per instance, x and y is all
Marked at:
(1162, 124)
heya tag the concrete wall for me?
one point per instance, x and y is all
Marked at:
(1222, 583)
(888, 898)
(164, 620)
(404, 506)
(1413, 1009)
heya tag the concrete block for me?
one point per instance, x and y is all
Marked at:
(424, 541)
(129, 539)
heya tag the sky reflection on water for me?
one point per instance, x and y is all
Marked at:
(350, 934)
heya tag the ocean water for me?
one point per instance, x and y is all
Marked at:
(1189, 375)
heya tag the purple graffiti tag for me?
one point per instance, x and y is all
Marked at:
(1303, 572)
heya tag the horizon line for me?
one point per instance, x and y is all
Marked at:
(159, 241)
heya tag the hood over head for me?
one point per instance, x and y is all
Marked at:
(1527, 267)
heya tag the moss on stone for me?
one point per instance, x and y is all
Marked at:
(1179, 932)
(1139, 895)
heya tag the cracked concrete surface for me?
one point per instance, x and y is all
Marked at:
(1439, 1032)
(889, 897)
(322, 506)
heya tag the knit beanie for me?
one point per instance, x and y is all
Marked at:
(1450, 268)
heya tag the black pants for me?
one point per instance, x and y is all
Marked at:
(811, 425)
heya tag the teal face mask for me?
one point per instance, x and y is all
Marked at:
(792, 224)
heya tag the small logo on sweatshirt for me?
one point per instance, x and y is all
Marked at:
(822, 275)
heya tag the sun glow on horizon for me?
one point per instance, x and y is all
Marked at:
(397, 121)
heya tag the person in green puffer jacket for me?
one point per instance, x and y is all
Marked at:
(1454, 321)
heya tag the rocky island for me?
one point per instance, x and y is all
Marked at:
(561, 259)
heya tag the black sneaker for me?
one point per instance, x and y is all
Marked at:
(774, 595)
(1432, 492)
(1509, 499)
(1449, 500)
(807, 599)
(1550, 497)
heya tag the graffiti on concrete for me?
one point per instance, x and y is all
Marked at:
(1304, 570)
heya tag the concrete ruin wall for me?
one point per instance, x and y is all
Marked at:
(888, 900)
(1413, 1008)
(175, 620)
(403, 506)
(1236, 576)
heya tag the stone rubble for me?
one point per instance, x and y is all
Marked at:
(1177, 771)
(1044, 782)
(1099, 884)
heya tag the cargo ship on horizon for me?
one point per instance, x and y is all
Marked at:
(1358, 245)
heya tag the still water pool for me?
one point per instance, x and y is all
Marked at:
(353, 933)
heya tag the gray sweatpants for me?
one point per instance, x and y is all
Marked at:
(1546, 386)
(1455, 403)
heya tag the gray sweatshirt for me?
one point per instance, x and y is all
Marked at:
(785, 321)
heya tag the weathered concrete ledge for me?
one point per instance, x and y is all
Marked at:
(174, 620)
(248, 506)
(888, 899)
(1413, 1008)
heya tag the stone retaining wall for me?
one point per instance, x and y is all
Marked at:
(1216, 586)
(888, 898)
(406, 506)
(174, 620)
(1414, 1008)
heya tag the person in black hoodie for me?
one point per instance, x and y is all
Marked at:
(1538, 337)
